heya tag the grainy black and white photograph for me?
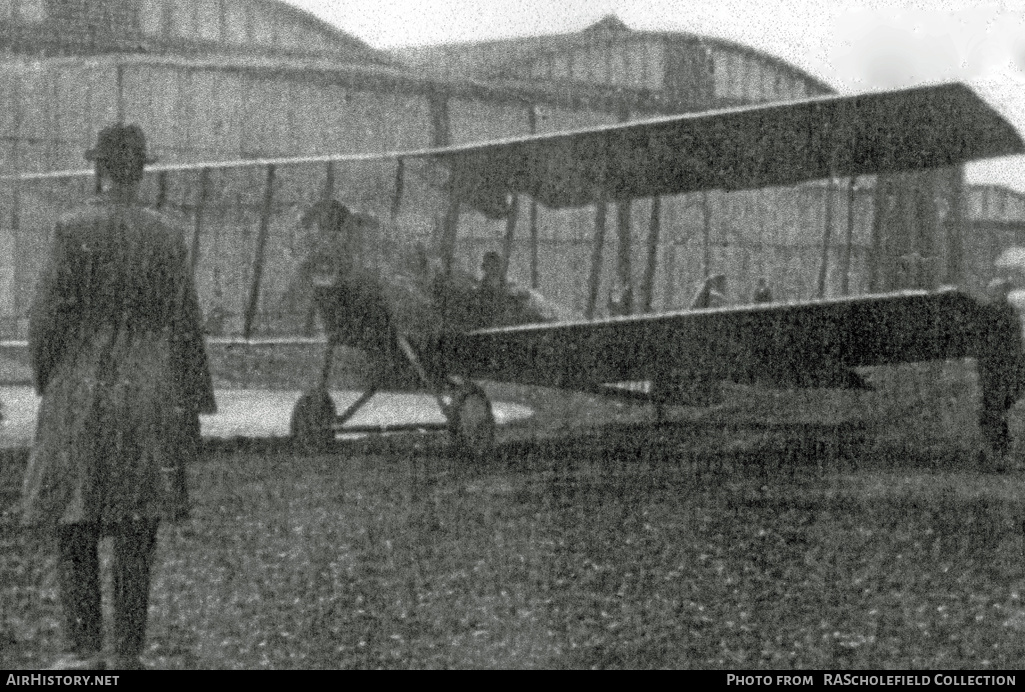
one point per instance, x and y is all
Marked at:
(453, 334)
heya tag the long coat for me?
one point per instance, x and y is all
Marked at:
(1001, 361)
(118, 356)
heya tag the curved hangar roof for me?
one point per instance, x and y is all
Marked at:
(174, 27)
(692, 71)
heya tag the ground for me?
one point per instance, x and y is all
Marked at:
(774, 531)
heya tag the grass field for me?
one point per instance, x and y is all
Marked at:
(747, 538)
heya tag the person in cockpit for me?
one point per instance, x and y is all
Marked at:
(492, 292)
(762, 294)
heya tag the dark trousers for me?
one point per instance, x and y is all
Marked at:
(995, 403)
(995, 433)
(79, 578)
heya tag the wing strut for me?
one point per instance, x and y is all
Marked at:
(510, 234)
(449, 232)
(396, 203)
(706, 235)
(448, 250)
(845, 260)
(261, 245)
(669, 298)
(600, 217)
(197, 227)
(827, 236)
(328, 193)
(535, 281)
(400, 184)
(651, 261)
(624, 268)
(161, 199)
(19, 250)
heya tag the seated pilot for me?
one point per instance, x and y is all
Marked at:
(620, 301)
(762, 294)
(491, 292)
(491, 273)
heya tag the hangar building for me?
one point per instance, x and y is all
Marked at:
(214, 80)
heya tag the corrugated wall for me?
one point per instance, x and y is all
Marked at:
(205, 113)
(919, 214)
(994, 203)
(997, 223)
(79, 27)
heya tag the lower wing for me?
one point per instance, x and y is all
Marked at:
(809, 344)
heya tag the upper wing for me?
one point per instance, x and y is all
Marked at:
(751, 147)
(798, 344)
(754, 146)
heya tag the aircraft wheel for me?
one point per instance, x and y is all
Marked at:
(312, 425)
(472, 422)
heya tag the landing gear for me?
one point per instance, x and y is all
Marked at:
(464, 404)
(314, 416)
(472, 422)
(313, 421)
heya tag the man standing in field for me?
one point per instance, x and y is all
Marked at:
(1001, 370)
(118, 357)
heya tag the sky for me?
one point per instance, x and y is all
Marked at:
(852, 45)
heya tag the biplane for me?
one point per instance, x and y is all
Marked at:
(428, 324)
